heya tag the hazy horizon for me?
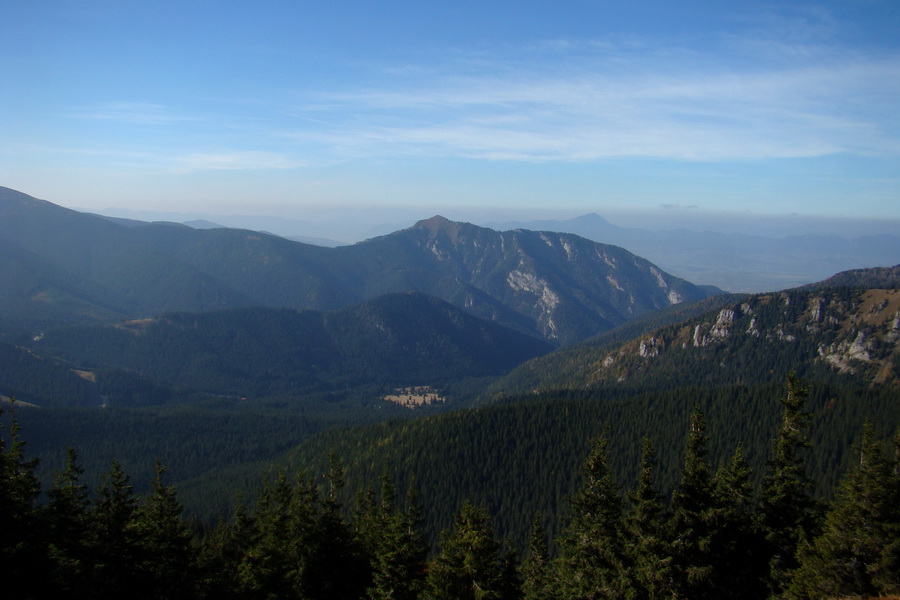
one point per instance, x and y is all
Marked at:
(350, 224)
(279, 107)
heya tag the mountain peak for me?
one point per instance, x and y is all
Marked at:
(437, 225)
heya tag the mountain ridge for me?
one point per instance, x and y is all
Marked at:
(558, 286)
(738, 261)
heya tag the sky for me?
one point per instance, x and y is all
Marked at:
(562, 108)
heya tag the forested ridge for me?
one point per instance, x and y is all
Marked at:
(724, 530)
(394, 340)
(829, 332)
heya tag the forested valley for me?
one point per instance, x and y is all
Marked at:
(721, 528)
(446, 411)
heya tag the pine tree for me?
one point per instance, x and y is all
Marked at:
(590, 564)
(647, 549)
(221, 555)
(787, 509)
(858, 552)
(283, 536)
(468, 566)
(510, 587)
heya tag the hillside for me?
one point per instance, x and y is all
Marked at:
(824, 333)
(72, 267)
(61, 266)
(394, 340)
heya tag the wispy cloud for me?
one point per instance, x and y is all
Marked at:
(233, 161)
(141, 113)
(641, 106)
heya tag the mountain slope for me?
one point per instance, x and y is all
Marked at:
(822, 332)
(735, 261)
(394, 340)
(557, 286)
(565, 287)
(73, 266)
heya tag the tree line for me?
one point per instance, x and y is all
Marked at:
(715, 536)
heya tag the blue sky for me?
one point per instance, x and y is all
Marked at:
(737, 107)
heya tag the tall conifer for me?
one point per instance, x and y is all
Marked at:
(647, 547)
(536, 565)
(68, 523)
(590, 564)
(166, 559)
(21, 548)
(692, 523)
(787, 509)
(858, 552)
(468, 566)
(740, 572)
(116, 548)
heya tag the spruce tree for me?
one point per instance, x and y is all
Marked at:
(787, 510)
(590, 564)
(337, 564)
(395, 546)
(468, 566)
(739, 572)
(68, 524)
(115, 540)
(166, 560)
(271, 559)
(22, 550)
(858, 552)
(536, 566)
(692, 525)
(647, 547)
(222, 552)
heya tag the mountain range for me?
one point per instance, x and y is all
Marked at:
(69, 267)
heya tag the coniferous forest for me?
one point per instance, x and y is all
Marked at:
(721, 531)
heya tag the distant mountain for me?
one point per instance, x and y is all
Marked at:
(63, 266)
(397, 340)
(825, 332)
(558, 286)
(735, 262)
